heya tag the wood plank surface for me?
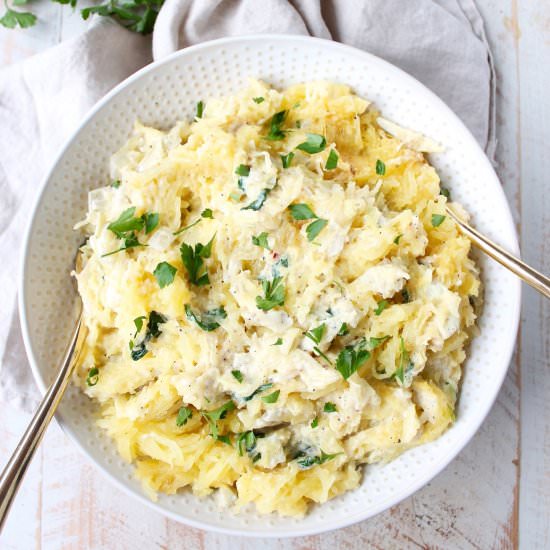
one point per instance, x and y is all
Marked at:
(495, 495)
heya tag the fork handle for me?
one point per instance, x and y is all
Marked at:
(15, 469)
(525, 272)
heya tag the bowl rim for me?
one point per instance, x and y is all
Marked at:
(514, 294)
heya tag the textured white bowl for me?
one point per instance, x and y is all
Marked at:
(167, 91)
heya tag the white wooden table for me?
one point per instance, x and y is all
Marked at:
(496, 494)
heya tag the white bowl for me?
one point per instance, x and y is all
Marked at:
(167, 91)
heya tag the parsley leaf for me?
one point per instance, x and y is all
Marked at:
(375, 342)
(278, 342)
(184, 414)
(380, 168)
(315, 422)
(272, 397)
(275, 133)
(164, 274)
(329, 407)
(193, 260)
(316, 334)
(314, 143)
(93, 377)
(437, 219)
(151, 221)
(199, 110)
(274, 294)
(248, 441)
(213, 417)
(261, 240)
(138, 322)
(207, 213)
(351, 358)
(126, 222)
(301, 212)
(242, 170)
(258, 390)
(397, 239)
(115, 184)
(130, 241)
(14, 18)
(258, 100)
(343, 330)
(259, 202)
(445, 192)
(332, 160)
(237, 375)
(382, 305)
(307, 461)
(153, 331)
(314, 228)
(138, 16)
(287, 159)
(404, 372)
(209, 320)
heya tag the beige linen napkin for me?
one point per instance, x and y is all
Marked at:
(42, 100)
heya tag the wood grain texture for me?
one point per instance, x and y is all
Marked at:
(495, 495)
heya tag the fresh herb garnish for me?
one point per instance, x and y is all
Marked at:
(272, 397)
(274, 294)
(397, 239)
(115, 184)
(314, 228)
(329, 407)
(278, 342)
(351, 358)
(153, 331)
(275, 133)
(316, 334)
(184, 414)
(193, 260)
(380, 168)
(135, 16)
(248, 440)
(13, 18)
(259, 202)
(258, 100)
(315, 422)
(287, 159)
(375, 342)
(199, 110)
(332, 160)
(207, 321)
(437, 219)
(261, 240)
(151, 221)
(404, 371)
(213, 417)
(93, 377)
(242, 170)
(301, 212)
(445, 192)
(306, 461)
(343, 330)
(314, 143)
(207, 213)
(382, 305)
(258, 390)
(126, 222)
(138, 322)
(164, 274)
(237, 375)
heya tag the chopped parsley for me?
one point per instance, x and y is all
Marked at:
(153, 331)
(274, 294)
(301, 212)
(316, 334)
(382, 305)
(199, 110)
(237, 375)
(272, 397)
(437, 219)
(332, 160)
(151, 221)
(375, 342)
(314, 228)
(261, 240)
(352, 358)
(287, 159)
(213, 417)
(164, 274)
(314, 143)
(138, 323)
(93, 377)
(115, 184)
(246, 441)
(397, 239)
(329, 407)
(184, 414)
(275, 132)
(258, 100)
(445, 192)
(207, 213)
(193, 260)
(278, 342)
(307, 461)
(344, 329)
(404, 371)
(315, 422)
(258, 390)
(207, 321)
(259, 202)
(242, 170)
(126, 226)
(380, 168)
